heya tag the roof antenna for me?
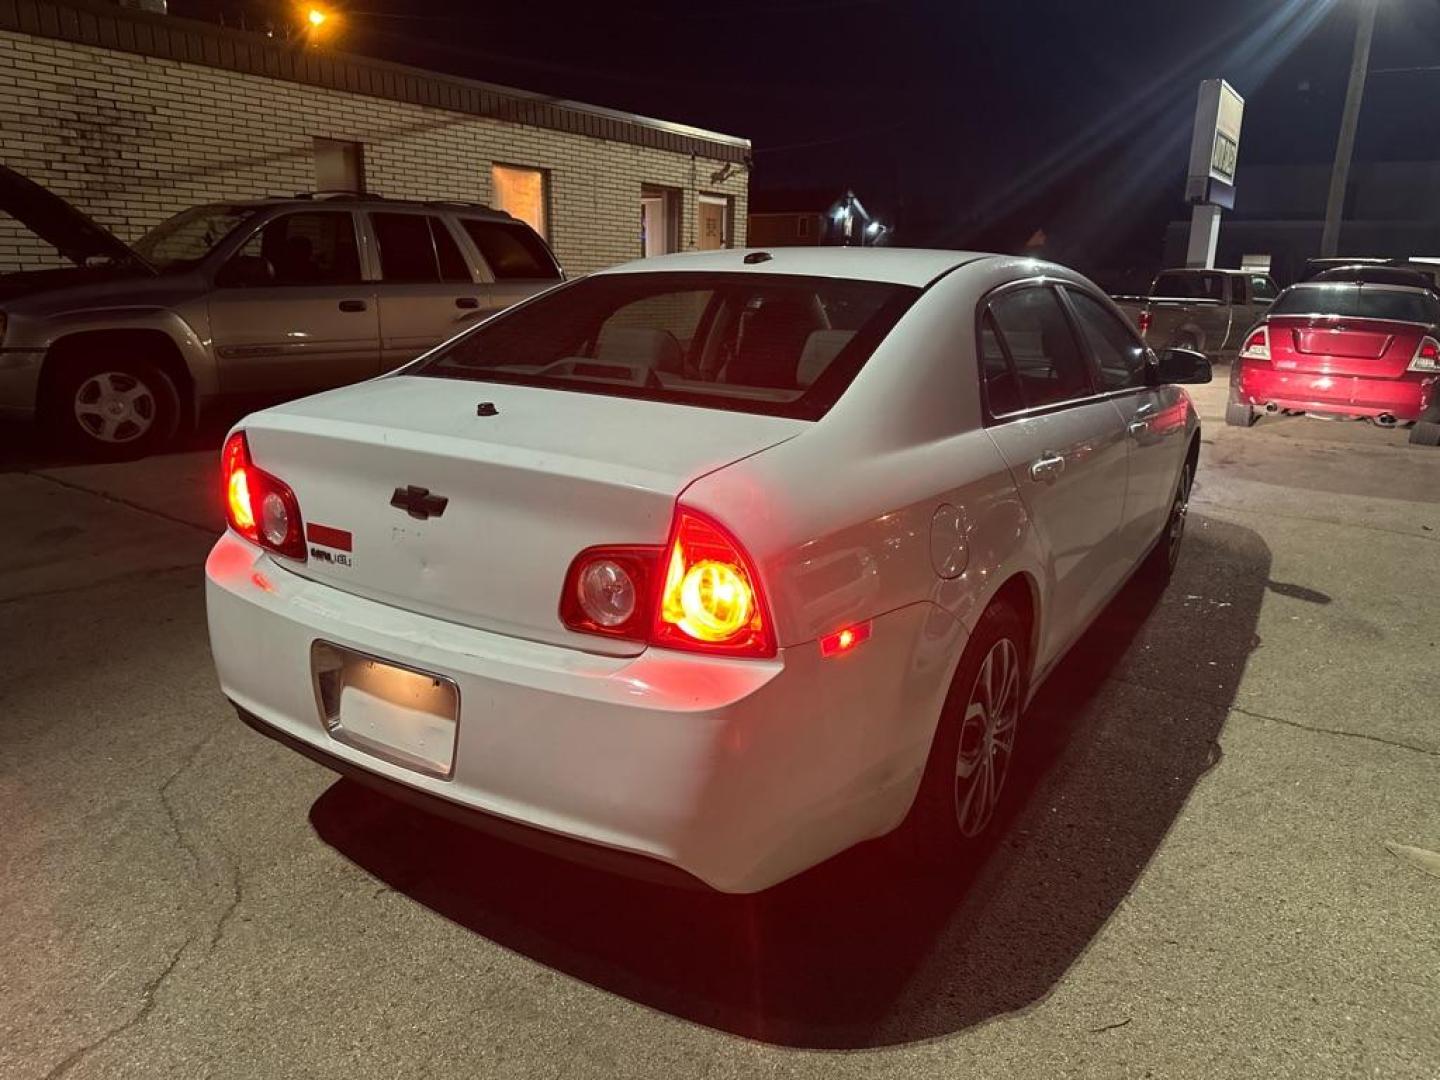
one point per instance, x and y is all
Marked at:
(757, 257)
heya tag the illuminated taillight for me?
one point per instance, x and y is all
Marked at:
(1143, 321)
(258, 506)
(1257, 345)
(1427, 356)
(710, 599)
(699, 592)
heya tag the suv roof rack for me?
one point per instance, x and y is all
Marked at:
(370, 196)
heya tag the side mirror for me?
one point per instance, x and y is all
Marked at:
(1181, 366)
(246, 270)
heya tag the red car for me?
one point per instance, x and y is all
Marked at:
(1341, 349)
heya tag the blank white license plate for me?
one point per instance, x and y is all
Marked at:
(401, 714)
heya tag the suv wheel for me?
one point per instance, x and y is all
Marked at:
(974, 744)
(114, 408)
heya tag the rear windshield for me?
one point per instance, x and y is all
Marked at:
(776, 344)
(1199, 286)
(1359, 302)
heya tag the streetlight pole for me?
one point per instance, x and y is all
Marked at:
(1345, 145)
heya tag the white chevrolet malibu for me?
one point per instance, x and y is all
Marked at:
(715, 563)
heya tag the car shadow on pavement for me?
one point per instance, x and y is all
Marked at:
(857, 952)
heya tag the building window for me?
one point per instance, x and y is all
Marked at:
(339, 166)
(713, 221)
(802, 226)
(659, 220)
(524, 194)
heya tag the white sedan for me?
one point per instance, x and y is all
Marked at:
(715, 563)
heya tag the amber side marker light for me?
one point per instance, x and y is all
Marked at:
(843, 641)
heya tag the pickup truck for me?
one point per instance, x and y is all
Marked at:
(1204, 310)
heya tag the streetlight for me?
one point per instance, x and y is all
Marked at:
(1345, 145)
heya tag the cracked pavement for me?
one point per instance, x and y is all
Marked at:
(1218, 861)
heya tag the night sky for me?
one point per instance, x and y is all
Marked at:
(964, 124)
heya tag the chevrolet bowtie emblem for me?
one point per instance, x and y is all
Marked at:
(418, 502)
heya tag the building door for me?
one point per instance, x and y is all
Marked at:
(712, 221)
(659, 220)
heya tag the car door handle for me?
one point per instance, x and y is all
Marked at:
(1047, 468)
(468, 302)
(353, 305)
(1136, 428)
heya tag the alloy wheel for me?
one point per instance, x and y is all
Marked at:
(987, 738)
(115, 407)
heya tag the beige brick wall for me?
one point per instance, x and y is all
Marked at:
(132, 139)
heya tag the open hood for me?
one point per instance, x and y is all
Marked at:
(58, 223)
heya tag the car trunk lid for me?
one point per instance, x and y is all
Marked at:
(530, 478)
(1340, 345)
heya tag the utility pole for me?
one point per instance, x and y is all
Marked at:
(1345, 145)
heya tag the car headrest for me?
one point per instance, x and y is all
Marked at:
(638, 345)
(821, 348)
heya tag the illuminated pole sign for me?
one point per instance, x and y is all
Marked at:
(1210, 181)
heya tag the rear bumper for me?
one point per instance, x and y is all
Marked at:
(739, 773)
(1404, 398)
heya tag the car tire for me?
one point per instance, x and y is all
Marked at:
(1159, 565)
(112, 408)
(1425, 433)
(974, 744)
(1239, 414)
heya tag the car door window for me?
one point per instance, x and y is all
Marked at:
(1119, 357)
(452, 263)
(1262, 289)
(1042, 348)
(407, 249)
(313, 247)
(1002, 388)
(512, 251)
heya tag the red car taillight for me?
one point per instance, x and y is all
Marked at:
(700, 592)
(259, 506)
(1427, 356)
(1257, 345)
(1143, 321)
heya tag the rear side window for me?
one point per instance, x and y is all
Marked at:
(407, 251)
(1120, 358)
(1002, 388)
(1261, 287)
(512, 251)
(1036, 336)
(452, 263)
(1358, 302)
(309, 248)
(766, 343)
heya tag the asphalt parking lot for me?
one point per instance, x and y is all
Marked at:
(1215, 864)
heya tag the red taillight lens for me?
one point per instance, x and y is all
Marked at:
(258, 506)
(1427, 356)
(1257, 345)
(608, 590)
(710, 599)
(1143, 321)
(700, 592)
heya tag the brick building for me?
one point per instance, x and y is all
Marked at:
(133, 117)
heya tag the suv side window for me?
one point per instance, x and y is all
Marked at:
(310, 247)
(1119, 356)
(1037, 336)
(513, 251)
(452, 263)
(407, 249)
